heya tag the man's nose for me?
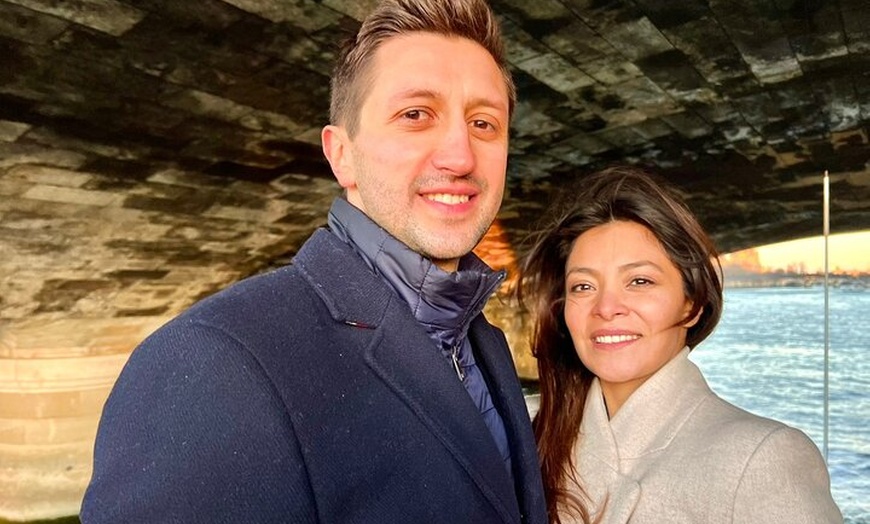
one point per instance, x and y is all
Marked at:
(454, 152)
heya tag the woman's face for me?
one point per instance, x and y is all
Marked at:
(624, 305)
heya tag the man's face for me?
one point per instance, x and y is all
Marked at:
(428, 160)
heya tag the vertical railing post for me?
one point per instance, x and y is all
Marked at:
(826, 226)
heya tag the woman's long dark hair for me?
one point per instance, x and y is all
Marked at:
(620, 193)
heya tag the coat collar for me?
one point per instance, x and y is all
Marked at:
(597, 460)
(348, 288)
(647, 422)
(399, 351)
(444, 303)
(654, 414)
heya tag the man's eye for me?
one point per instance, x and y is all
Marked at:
(641, 281)
(482, 124)
(415, 114)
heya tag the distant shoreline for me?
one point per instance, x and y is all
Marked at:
(744, 279)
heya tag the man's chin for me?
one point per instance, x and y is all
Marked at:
(447, 258)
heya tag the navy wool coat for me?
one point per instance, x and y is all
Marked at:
(309, 394)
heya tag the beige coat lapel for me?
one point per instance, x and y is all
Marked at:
(653, 415)
(598, 464)
(613, 455)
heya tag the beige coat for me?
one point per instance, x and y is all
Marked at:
(677, 453)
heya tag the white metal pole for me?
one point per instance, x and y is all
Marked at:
(826, 228)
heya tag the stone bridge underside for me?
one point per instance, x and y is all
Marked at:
(153, 151)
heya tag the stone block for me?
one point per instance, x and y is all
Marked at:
(529, 122)
(637, 39)
(10, 187)
(208, 105)
(761, 41)
(87, 142)
(856, 22)
(48, 432)
(301, 93)
(653, 128)
(270, 122)
(187, 179)
(37, 376)
(576, 42)
(290, 45)
(611, 70)
(307, 14)
(43, 481)
(71, 338)
(671, 70)
(51, 176)
(108, 16)
(555, 72)
(622, 137)
(29, 26)
(12, 131)
(758, 109)
(643, 94)
(840, 106)
(52, 404)
(356, 9)
(624, 117)
(71, 195)
(520, 45)
(773, 70)
(540, 10)
(273, 211)
(688, 124)
(12, 154)
(210, 15)
(587, 144)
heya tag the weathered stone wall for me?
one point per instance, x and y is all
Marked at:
(152, 152)
(55, 376)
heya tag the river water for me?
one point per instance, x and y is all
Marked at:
(767, 356)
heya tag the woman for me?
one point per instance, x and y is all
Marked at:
(621, 287)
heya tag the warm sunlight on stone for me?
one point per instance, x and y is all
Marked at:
(502, 310)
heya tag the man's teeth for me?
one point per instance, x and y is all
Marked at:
(446, 198)
(615, 339)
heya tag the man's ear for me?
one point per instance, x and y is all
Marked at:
(339, 154)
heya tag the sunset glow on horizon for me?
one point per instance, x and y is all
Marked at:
(847, 252)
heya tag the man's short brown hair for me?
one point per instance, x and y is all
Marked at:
(471, 19)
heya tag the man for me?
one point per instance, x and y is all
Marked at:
(361, 383)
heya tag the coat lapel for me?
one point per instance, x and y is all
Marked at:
(598, 464)
(400, 353)
(494, 359)
(417, 373)
(675, 392)
(608, 448)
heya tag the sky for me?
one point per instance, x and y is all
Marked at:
(847, 252)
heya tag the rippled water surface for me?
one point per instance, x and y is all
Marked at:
(767, 356)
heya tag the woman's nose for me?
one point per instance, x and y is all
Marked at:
(610, 303)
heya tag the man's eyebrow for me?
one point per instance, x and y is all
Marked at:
(498, 105)
(414, 93)
(482, 101)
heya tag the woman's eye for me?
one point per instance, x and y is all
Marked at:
(414, 114)
(641, 281)
(578, 288)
